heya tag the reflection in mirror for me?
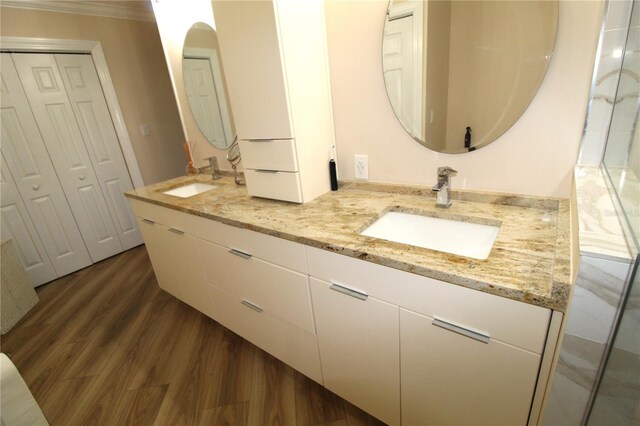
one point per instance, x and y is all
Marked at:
(205, 85)
(622, 153)
(460, 73)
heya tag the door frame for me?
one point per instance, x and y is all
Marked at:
(94, 48)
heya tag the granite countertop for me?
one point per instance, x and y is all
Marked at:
(529, 262)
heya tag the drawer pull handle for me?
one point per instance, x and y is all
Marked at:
(149, 221)
(266, 171)
(480, 337)
(260, 140)
(348, 291)
(252, 306)
(176, 231)
(241, 254)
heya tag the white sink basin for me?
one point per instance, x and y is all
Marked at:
(190, 190)
(449, 236)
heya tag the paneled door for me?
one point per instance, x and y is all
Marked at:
(87, 100)
(54, 115)
(17, 225)
(203, 99)
(36, 181)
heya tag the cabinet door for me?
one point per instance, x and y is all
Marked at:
(250, 50)
(176, 263)
(358, 339)
(449, 378)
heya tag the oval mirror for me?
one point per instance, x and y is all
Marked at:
(460, 73)
(205, 85)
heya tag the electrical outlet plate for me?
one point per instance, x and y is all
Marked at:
(361, 165)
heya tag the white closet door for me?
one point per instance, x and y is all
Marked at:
(51, 107)
(92, 114)
(203, 99)
(35, 177)
(17, 225)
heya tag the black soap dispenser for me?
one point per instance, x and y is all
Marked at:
(333, 176)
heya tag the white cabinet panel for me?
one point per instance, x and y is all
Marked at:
(253, 65)
(269, 154)
(358, 341)
(279, 291)
(283, 186)
(448, 378)
(290, 344)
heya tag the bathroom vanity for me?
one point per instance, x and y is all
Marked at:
(408, 334)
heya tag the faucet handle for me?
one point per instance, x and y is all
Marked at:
(446, 171)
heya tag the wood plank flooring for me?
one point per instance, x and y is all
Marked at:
(106, 346)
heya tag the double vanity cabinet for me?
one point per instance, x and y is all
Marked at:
(406, 348)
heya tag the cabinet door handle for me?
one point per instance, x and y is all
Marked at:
(251, 306)
(149, 221)
(480, 337)
(176, 231)
(348, 291)
(260, 140)
(241, 254)
(266, 171)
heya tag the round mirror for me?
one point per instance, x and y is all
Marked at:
(205, 85)
(460, 73)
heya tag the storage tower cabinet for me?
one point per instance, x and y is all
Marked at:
(277, 70)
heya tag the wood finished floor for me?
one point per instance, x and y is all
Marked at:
(106, 346)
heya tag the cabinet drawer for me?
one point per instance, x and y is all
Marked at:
(279, 291)
(176, 264)
(269, 154)
(275, 250)
(163, 215)
(289, 344)
(283, 186)
(516, 323)
(451, 379)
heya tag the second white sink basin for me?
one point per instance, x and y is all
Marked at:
(190, 190)
(450, 236)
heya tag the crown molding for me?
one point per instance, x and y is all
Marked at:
(119, 10)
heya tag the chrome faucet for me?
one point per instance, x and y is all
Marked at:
(443, 186)
(213, 167)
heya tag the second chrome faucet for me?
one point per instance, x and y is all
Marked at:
(443, 186)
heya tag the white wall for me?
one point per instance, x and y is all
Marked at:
(536, 156)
